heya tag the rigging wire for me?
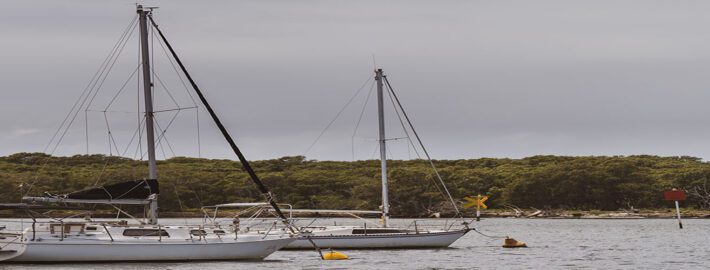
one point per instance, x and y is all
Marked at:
(88, 86)
(134, 136)
(90, 92)
(107, 159)
(103, 80)
(406, 133)
(389, 151)
(86, 129)
(189, 94)
(416, 135)
(139, 149)
(110, 137)
(337, 115)
(163, 131)
(162, 150)
(162, 136)
(362, 112)
(176, 109)
(199, 144)
(374, 151)
(113, 99)
(79, 103)
(158, 141)
(177, 196)
(180, 76)
(165, 88)
(92, 88)
(113, 111)
(140, 119)
(98, 88)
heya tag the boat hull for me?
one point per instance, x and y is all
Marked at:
(46, 251)
(380, 241)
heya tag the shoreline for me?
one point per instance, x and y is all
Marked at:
(490, 213)
(596, 214)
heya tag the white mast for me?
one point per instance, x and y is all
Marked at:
(147, 87)
(383, 149)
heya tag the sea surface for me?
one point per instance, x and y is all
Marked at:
(553, 244)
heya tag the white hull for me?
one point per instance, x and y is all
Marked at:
(381, 241)
(66, 252)
(98, 246)
(82, 252)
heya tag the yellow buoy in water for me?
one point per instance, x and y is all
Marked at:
(512, 243)
(334, 255)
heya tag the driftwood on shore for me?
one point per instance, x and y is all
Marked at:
(558, 213)
(510, 211)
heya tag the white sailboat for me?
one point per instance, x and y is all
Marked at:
(383, 236)
(106, 241)
(58, 240)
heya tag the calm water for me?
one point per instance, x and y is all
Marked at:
(553, 244)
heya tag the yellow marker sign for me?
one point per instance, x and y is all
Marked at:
(477, 202)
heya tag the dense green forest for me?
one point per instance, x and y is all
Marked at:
(556, 182)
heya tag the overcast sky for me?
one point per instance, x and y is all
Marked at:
(479, 78)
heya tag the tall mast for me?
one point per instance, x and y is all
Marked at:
(147, 90)
(383, 149)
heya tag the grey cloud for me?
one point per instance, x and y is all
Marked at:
(481, 78)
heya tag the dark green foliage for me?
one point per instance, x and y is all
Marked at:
(605, 183)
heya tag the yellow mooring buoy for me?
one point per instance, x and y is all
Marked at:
(512, 243)
(334, 255)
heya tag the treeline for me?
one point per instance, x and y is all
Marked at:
(557, 182)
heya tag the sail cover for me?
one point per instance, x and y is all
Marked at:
(129, 190)
(137, 189)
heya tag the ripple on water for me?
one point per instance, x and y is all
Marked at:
(554, 244)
